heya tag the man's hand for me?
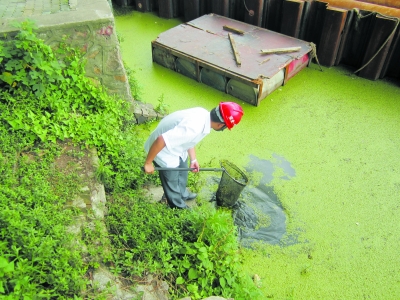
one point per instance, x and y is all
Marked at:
(148, 168)
(195, 165)
(155, 148)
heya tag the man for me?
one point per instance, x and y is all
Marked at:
(172, 144)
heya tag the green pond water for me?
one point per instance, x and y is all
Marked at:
(340, 135)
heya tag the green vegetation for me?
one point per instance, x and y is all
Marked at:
(37, 258)
(195, 251)
(45, 102)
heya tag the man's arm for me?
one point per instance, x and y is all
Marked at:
(193, 161)
(155, 148)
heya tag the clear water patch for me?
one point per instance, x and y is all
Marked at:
(258, 213)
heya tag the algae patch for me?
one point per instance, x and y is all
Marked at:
(337, 200)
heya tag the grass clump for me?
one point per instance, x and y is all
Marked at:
(37, 256)
(196, 252)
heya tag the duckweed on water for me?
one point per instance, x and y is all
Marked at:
(340, 134)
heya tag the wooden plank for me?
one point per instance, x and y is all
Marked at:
(333, 26)
(264, 61)
(280, 50)
(291, 17)
(231, 29)
(235, 51)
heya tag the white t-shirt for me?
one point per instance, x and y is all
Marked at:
(181, 131)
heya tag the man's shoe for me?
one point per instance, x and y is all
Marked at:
(191, 196)
(163, 199)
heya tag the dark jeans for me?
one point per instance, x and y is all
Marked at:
(174, 185)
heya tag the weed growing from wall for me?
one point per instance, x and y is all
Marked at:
(134, 86)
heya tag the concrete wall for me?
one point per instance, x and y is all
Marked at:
(89, 26)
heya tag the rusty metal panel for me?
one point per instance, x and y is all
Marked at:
(305, 19)
(265, 14)
(345, 34)
(178, 8)
(187, 68)
(316, 18)
(124, 3)
(213, 79)
(292, 11)
(254, 12)
(272, 15)
(205, 43)
(357, 40)
(238, 10)
(220, 7)
(375, 55)
(166, 9)
(164, 58)
(334, 22)
(232, 9)
(392, 63)
(143, 5)
(296, 66)
(205, 7)
(191, 9)
(154, 5)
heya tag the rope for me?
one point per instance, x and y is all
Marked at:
(360, 16)
(314, 54)
(245, 6)
(384, 43)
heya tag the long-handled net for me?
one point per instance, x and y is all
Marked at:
(232, 183)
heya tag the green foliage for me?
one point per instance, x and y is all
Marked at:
(46, 95)
(37, 256)
(162, 108)
(44, 98)
(196, 252)
(136, 90)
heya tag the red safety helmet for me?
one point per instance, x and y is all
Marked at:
(231, 113)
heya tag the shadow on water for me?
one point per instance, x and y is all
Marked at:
(258, 213)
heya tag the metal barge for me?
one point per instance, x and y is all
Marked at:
(242, 60)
